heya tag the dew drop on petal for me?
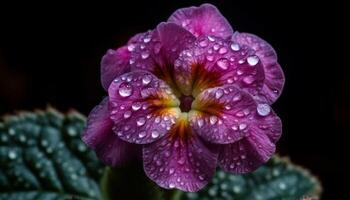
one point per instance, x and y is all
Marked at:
(203, 43)
(131, 47)
(171, 185)
(223, 63)
(222, 50)
(253, 60)
(248, 80)
(142, 134)
(213, 119)
(144, 55)
(200, 122)
(242, 126)
(219, 93)
(235, 47)
(136, 106)
(212, 39)
(125, 90)
(155, 134)
(147, 39)
(141, 121)
(127, 114)
(210, 57)
(146, 79)
(263, 109)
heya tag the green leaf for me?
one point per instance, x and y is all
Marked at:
(42, 157)
(278, 179)
(130, 182)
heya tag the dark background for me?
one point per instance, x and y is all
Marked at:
(50, 54)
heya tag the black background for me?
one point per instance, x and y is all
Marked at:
(50, 54)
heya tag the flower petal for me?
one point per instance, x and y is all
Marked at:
(142, 107)
(100, 137)
(274, 77)
(203, 20)
(156, 51)
(227, 114)
(211, 62)
(247, 154)
(116, 62)
(180, 162)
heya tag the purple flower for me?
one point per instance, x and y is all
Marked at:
(188, 96)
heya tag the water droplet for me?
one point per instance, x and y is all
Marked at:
(213, 119)
(171, 170)
(212, 39)
(219, 93)
(210, 57)
(235, 47)
(125, 90)
(241, 61)
(131, 61)
(216, 47)
(234, 127)
(232, 166)
(141, 121)
(253, 60)
(201, 177)
(131, 47)
(222, 50)
(12, 155)
(203, 43)
(228, 107)
(142, 134)
(200, 122)
(263, 109)
(223, 63)
(146, 79)
(248, 79)
(282, 186)
(136, 106)
(155, 134)
(181, 161)
(144, 55)
(171, 185)
(242, 126)
(147, 39)
(127, 114)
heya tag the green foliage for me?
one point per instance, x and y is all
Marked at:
(278, 179)
(42, 157)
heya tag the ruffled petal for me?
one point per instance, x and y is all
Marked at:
(99, 136)
(212, 62)
(247, 154)
(143, 108)
(203, 20)
(180, 160)
(227, 114)
(156, 51)
(274, 77)
(116, 62)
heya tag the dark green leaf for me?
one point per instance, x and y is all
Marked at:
(42, 157)
(276, 180)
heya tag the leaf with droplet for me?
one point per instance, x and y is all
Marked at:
(43, 157)
(277, 179)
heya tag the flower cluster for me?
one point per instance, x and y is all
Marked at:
(187, 97)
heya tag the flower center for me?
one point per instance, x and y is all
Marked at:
(186, 103)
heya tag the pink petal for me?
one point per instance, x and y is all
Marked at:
(274, 77)
(100, 137)
(185, 163)
(203, 20)
(247, 154)
(212, 62)
(116, 62)
(227, 114)
(142, 107)
(156, 51)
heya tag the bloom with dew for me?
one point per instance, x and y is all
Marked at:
(186, 97)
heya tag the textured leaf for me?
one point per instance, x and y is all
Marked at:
(276, 180)
(42, 157)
